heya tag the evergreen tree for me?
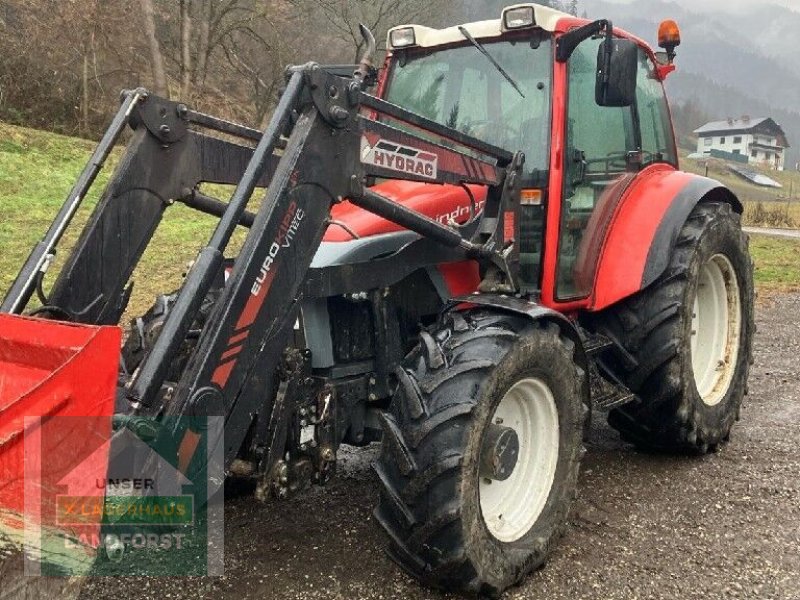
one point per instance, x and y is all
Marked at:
(490, 9)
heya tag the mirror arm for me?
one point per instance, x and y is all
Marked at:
(572, 39)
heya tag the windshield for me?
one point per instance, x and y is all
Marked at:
(461, 88)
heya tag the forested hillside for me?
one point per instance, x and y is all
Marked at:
(63, 62)
(732, 62)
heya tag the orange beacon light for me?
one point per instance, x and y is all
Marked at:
(669, 37)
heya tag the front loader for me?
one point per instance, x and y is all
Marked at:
(461, 266)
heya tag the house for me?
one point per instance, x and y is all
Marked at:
(762, 140)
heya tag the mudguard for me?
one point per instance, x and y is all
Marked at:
(526, 308)
(636, 232)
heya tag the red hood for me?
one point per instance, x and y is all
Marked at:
(440, 202)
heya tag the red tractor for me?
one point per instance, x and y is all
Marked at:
(463, 266)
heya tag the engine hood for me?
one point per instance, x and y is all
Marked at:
(439, 202)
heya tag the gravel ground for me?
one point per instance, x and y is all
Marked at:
(644, 527)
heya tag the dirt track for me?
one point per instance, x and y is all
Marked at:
(647, 527)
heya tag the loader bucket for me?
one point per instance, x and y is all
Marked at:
(51, 369)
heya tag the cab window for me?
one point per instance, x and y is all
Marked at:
(654, 118)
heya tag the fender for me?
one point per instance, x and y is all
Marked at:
(643, 229)
(533, 311)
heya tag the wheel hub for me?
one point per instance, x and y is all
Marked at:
(716, 322)
(499, 453)
(519, 455)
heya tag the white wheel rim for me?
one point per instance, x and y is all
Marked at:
(511, 507)
(716, 327)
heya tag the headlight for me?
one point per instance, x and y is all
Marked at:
(519, 17)
(402, 38)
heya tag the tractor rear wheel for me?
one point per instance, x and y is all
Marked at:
(691, 334)
(481, 450)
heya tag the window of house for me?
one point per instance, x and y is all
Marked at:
(737, 139)
(722, 140)
(708, 141)
(754, 154)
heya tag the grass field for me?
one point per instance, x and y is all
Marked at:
(37, 170)
(777, 263)
(764, 207)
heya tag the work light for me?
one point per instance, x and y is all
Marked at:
(402, 38)
(519, 17)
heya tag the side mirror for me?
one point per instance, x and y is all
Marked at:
(617, 67)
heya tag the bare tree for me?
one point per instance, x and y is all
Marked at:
(156, 57)
(63, 62)
(186, 56)
(204, 27)
(344, 16)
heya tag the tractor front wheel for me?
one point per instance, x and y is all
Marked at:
(481, 450)
(691, 334)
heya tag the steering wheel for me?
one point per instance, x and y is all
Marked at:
(619, 160)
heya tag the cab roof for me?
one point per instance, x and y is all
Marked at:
(428, 37)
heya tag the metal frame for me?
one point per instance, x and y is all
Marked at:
(310, 156)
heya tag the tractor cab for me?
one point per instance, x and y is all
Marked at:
(589, 116)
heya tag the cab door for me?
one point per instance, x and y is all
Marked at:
(605, 149)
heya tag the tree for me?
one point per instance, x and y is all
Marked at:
(156, 58)
(491, 9)
(344, 16)
(186, 57)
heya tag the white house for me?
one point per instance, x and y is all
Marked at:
(762, 140)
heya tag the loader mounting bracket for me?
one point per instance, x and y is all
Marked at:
(334, 97)
(164, 119)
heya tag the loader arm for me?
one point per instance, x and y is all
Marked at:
(330, 152)
(326, 141)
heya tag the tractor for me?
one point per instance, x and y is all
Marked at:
(461, 254)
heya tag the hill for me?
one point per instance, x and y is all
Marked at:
(732, 62)
(37, 170)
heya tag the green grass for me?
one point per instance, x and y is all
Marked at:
(37, 170)
(777, 263)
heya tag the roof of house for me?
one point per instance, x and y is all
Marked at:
(760, 125)
(741, 124)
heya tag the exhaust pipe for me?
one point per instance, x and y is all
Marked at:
(365, 67)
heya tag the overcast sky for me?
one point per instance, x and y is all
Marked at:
(724, 4)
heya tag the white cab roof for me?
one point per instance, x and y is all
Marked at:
(427, 37)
